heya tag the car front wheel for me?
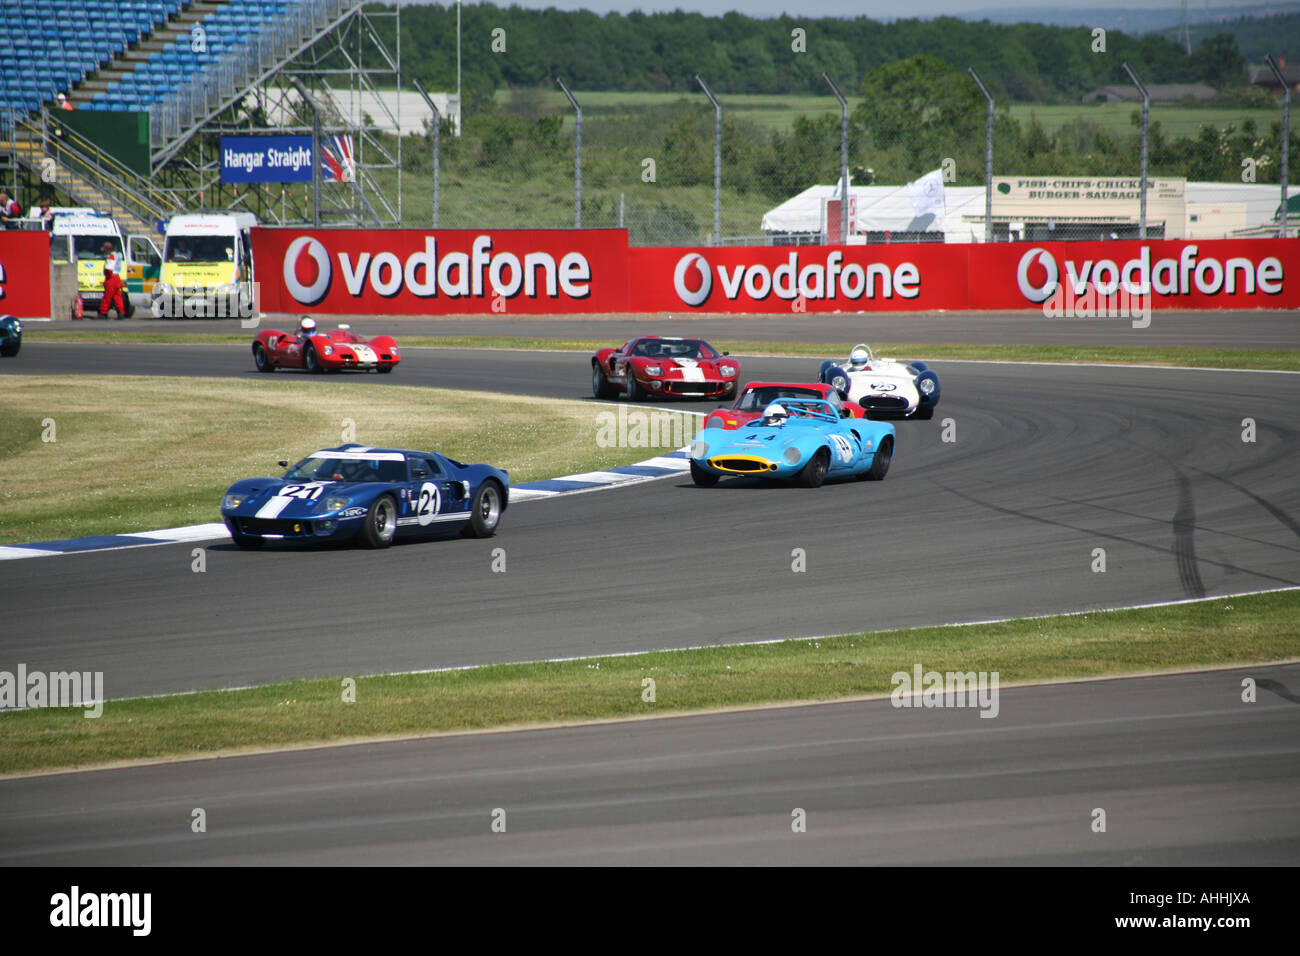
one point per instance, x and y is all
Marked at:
(381, 523)
(310, 361)
(814, 473)
(635, 393)
(705, 479)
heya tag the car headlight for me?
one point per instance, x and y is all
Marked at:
(728, 371)
(699, 449)
(393, 351)
(792, 456)
(18, 327)
(334, 504)
(926, 386)
(714, 422)
(234, 501)
(654, 370)
(328, 350)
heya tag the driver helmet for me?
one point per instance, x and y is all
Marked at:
(307, 326)
(775, 414)
(859, 357)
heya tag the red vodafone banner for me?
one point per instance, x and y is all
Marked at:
(25, 274)
(879, 278)
(1174, 273)
(539, 271)
(431, 272)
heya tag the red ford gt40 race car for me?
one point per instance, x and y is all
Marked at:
(318, 351)
(758, 395)
(651, 366)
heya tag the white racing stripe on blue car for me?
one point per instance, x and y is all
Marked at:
(652, 469)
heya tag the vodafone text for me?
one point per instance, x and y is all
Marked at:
(425, 274)
(1140, 276)
(828, 279)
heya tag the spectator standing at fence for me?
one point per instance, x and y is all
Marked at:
(64, 104)
(9, 210)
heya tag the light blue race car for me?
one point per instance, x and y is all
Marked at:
(802, 440)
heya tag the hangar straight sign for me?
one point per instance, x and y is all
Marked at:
(266, 159)
(448, 271)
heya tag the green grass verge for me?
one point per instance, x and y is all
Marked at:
(1217, 632)
(136, 453)
(1279, 360)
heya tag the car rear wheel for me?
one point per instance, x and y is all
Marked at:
(705, 479)
(880, 463)
(380, 527)
(263, 360)
(310, 361)
(814, 473)
(600, 386)
(485, 510)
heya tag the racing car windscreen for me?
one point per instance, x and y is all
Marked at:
(757, 399)
(674, 349)
(347, 469)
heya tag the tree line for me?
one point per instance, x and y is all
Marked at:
(509, 47)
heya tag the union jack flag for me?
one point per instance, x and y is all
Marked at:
(340, 166)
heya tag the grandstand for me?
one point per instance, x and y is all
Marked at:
(178, 70)
(50, 48)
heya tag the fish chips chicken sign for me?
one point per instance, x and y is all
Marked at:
(418, 272)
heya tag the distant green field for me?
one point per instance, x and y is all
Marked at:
(769, 110)
(1178, 122)
(779, 110)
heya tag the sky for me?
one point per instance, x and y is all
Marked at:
(875, 9)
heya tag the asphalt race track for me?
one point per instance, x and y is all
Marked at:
(1043, 464)
(1186, 773)
(1047, 464)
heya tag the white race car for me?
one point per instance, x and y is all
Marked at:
(885, 387)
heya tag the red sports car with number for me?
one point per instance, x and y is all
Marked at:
(651, 366)
(758, 395)
(318, 351)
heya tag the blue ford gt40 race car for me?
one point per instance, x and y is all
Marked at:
(370, 494)
(803, 440)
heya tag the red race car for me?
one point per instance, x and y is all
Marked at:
(652, 365)
(758, 395)
(318, 351)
